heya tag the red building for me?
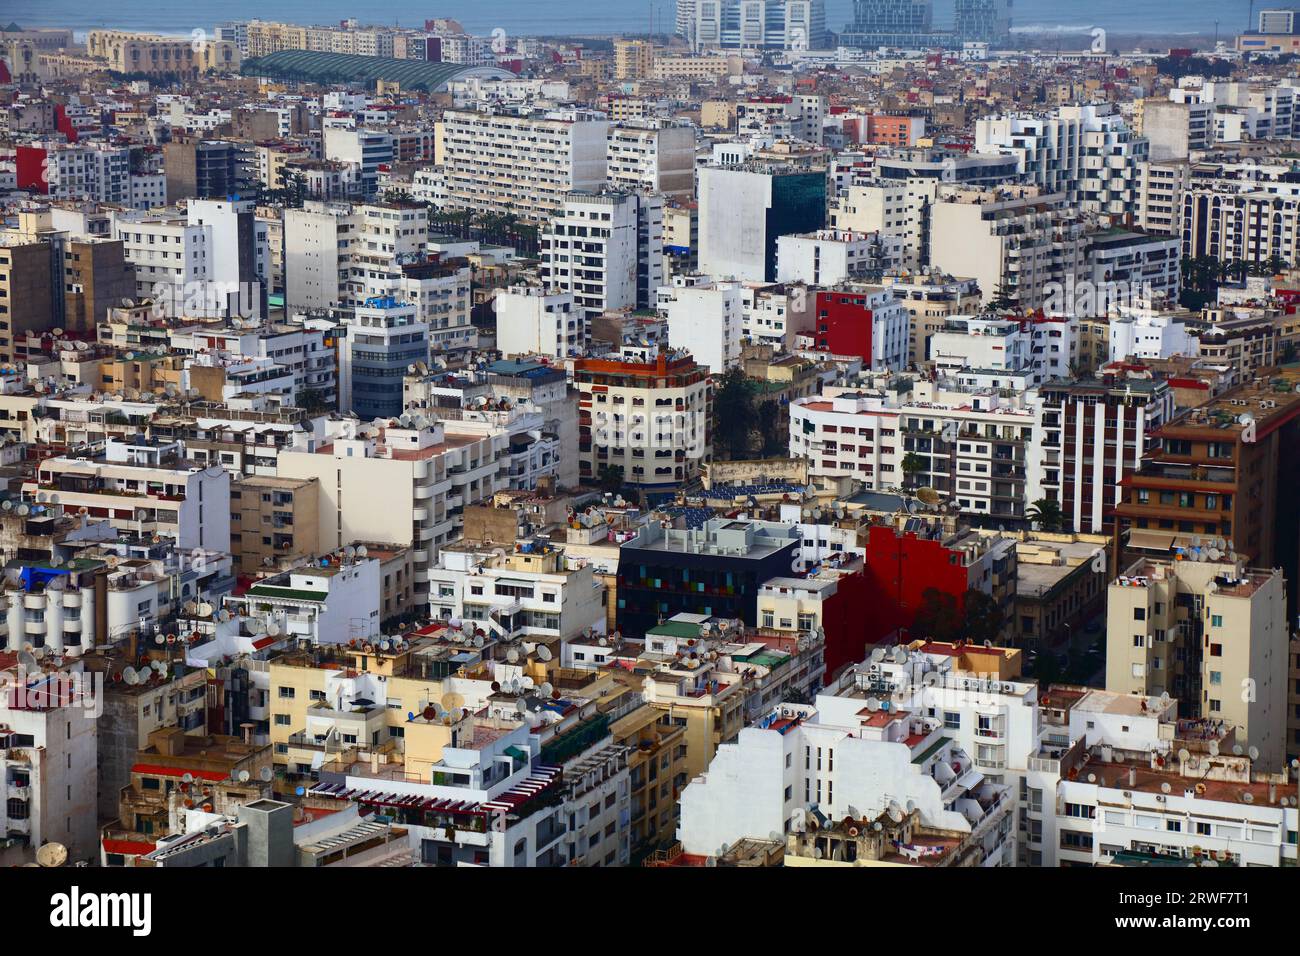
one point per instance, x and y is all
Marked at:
(844, 324)
(901, 567)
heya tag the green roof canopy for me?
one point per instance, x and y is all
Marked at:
(311, 66)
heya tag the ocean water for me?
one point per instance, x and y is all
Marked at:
(582, 17)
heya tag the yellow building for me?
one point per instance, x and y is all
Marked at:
(657, 768)
(633, 59)
(155, 55)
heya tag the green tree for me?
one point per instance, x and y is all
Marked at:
(775, 433)
(1003, 299)
(610, 478)
(984, 619)
(913, 464)
(1047, 669)
(733, 413)
(938, 618)
(312, 401)
(1047, 514)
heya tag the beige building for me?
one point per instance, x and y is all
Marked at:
(155, 55)
(633, 59)
(697, 67)
(657, 761)
(273, 523)
(1211, 634)
(930, 300)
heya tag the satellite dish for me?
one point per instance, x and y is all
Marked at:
(244, 776)
(1254, 753)
(512, 656)
(52, 855)
(265, 774)
(544, 653)
(362, 551)
(546, 689)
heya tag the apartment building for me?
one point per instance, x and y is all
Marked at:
(865, 321)
(829, 256)
(1217, 472)
(1017, 242)
(531, 592)
(533, 321)
(274, 522)
(47, 772)
(606, 249)
(705, 318)
(1095, 433)
(384, 338)
(143, 485)
(1087, 152)
(1211, 632)
(648, 157)
(715, 570)
(404, 485)
(652, 419)
(333, 601)
(848, 435)
(930, 298)
(790, 763)
(521, 164)
(743, 211)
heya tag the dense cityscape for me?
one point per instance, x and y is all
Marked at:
(758, 441)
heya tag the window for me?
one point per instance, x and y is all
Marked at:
(287, 693)
(952, 721)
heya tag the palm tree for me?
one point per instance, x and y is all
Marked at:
(912, 464)
(1047, 514)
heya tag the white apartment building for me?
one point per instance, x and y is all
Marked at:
(316, 241)
(521, 164)
(1149, 334)
(850, 755)
(302, 352)
(848, 434)
(333, 602)
(533, 321)
(1087, 152)
(402, 485)
(832, 256)
(705, 318)
(1120, 779)
(525, 590)
(142, 485)
(999, 344)
(775, 314)
(889, 207)
(48, 747)
(606, 249)
(367, 149)
(652, 158)
(1159, 204)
